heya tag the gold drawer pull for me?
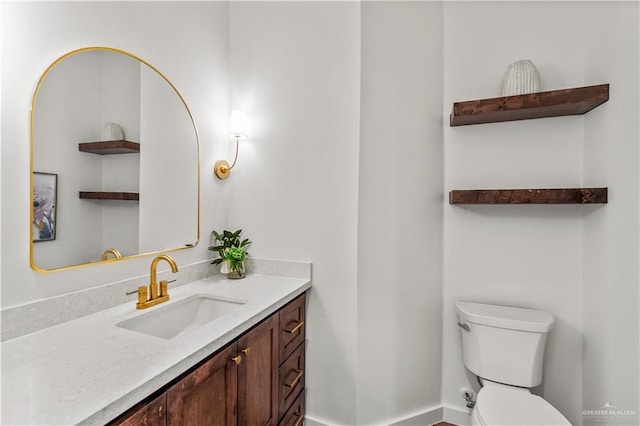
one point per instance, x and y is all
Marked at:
(300, 418)
(295, 328)
(299, 374)
(237, 359)
(246, 351)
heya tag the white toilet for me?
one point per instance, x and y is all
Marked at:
(504, 346)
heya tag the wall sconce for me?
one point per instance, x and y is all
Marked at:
(238, 130)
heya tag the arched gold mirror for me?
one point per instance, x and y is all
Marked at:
(114, 162)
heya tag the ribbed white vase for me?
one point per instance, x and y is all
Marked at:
(112, 132)
(520, 78)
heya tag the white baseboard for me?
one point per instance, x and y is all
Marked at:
(456, 416)
(424, 418)
(308, 421)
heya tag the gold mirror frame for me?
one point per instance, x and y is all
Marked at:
(31, 171)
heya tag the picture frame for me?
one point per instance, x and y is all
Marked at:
(44, 203)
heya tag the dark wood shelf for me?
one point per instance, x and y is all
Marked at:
(555, 103)
(103, 195)
(110, 147)
(529, 196)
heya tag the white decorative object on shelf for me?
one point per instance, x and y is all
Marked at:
(520, 78)
(112, 132)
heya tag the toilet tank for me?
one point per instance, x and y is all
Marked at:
(504, 344)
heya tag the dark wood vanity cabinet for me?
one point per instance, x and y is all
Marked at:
(295, 414)
(256, 380)
(291, 372)
(208, 392)
(153, 413)
(258, 375)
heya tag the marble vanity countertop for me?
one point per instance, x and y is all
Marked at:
(89, 371)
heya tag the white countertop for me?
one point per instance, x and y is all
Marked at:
(88, 371)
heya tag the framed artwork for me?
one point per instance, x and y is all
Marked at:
(45, 192)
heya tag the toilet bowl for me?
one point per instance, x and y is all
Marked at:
(499, 404)
(505, 347)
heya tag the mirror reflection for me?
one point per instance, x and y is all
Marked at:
(124, 149)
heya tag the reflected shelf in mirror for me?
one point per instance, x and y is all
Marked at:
(110, 147)
(106, 195)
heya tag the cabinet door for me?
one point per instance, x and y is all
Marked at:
(151, 414)
(258, 375)
(207, 395)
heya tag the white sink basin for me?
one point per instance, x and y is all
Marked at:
(179, 317)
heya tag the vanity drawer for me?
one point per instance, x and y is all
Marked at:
(291, 379)
(295, 415)
(292, 326)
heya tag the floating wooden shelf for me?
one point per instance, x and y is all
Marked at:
(529, 196)
(555, 103)
(110, 147)
(102, 195)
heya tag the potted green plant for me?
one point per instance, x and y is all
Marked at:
(232, 251)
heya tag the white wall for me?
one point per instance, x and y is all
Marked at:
(120, 96)
(611, 322)
(527, 256)
(578, 263)
(360, 206)
(295, 70)
(330, 88)
(400, 213)
(188, 42)
(94, 87)
(57, 132)
(168, 178)
(2, 41)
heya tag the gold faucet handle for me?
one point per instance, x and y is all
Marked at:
(163, 287)
(142, 295)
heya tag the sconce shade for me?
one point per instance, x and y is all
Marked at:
(238, 125)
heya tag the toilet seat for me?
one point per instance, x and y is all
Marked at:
(499, 404)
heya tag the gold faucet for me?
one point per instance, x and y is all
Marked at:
(155, 293)
(116, 254)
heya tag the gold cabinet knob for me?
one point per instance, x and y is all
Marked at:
(237, 359)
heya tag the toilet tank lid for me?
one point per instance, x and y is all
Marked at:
(505, 317)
